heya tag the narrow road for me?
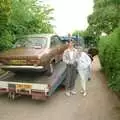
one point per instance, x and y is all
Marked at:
(100, 104)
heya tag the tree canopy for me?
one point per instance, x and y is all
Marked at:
(105, 18)
(22, 17)
(88, 38)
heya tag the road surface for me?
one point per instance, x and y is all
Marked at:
(100, 104)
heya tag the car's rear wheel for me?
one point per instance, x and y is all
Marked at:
(50, 69)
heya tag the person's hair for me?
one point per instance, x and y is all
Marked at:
(93, 51)
(70, 41)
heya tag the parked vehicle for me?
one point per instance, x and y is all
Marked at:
(38, 86)
(34, 53)
(78, 40)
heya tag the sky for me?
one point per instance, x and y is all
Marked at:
(70, 15)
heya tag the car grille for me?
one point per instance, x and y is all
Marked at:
(17, 62)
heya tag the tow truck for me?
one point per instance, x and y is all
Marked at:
(37, 85)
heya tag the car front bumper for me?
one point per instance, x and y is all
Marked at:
(14, 68)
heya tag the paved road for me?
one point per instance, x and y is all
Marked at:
(100, 104)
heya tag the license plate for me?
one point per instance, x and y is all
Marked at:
(22, 86)
(18, 62)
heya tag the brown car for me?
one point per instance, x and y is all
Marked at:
(34, 52)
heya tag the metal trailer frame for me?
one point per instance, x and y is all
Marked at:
(39, 86)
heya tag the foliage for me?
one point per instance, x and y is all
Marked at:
(21, 17)
(109, 53)
(88, 38)
(6, 40)
(5, 8)
(78, 33)
(35, 17)
(105, 18)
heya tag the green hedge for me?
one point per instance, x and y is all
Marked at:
(109, 54)
(6, 40)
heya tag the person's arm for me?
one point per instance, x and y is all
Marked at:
(65, 60)
(77, 55)
(86, 59)
(90, 57)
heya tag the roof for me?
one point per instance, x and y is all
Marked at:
(38, 35)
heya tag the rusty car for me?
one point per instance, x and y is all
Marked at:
(33, 53)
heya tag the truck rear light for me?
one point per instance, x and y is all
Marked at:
(4, 61)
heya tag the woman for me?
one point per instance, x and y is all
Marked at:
(83, 66)
(91, 53)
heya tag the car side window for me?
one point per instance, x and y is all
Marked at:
(53, 41)
(58, 40)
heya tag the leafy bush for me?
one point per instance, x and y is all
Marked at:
(109, 53)
(22, 17)
(6, 40)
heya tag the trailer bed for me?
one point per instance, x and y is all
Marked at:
(32, 83)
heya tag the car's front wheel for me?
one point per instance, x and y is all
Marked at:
(50, 69)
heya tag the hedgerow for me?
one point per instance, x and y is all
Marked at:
(109, 54)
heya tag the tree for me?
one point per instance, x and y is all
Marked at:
(88, 38)
(35, 17)
(5, 8)
(78, 33)
(5, 36)
(105, 18)
(22, 17)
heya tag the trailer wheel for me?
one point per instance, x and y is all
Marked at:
(11, 95)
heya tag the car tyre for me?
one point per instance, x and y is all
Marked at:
(50, 69)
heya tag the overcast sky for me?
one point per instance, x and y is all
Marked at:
(70, 14)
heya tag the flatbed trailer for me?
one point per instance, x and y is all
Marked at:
(37, 85)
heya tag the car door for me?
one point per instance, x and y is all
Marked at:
(60, 47)
(53, 48)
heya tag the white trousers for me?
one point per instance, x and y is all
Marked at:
(90, 71)
(84, 74)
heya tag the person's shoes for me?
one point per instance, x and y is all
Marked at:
(85, 94)
(73, 92)
(89, 79)
(81, 91)
(67, 94)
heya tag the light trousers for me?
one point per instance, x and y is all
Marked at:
(90, 71)
(84, 74)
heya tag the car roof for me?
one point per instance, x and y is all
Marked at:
(40, 35)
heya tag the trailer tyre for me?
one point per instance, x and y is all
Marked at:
(11, 95)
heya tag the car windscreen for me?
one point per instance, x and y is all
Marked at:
(36, 42)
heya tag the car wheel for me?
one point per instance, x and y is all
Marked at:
(50, 69)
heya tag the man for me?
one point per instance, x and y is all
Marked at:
(84, 63)
(69, 57)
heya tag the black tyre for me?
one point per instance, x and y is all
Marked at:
(50, 69)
